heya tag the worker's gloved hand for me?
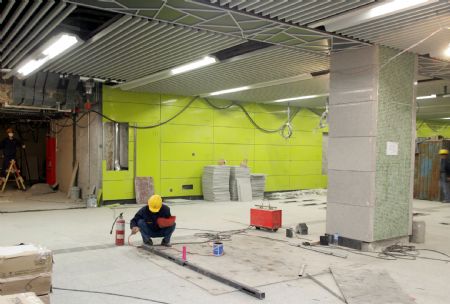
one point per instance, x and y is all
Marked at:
(134, 230)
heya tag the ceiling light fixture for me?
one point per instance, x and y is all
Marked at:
(300, 98)
(229, 91)
(447, 51)
(55, 47)
(426, 97)
(447, 118)
(205, 61)
(368, 13)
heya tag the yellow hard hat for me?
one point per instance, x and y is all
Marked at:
(443, 152)
(155, 203)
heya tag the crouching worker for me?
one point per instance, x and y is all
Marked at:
(153, 221)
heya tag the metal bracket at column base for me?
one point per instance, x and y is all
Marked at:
(239, 286)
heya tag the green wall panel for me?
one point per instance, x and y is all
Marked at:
(306, 138)
(233, 118)
(123, 112)
(191, 116)
(224, 135)
(232, 152)
(118, 189)
(175, 153)
(272, 167)
(275, 183)
(186, 134)
(270, 152)
(305, 168)
(127, 97)
(187, 151)
(174, 186)
(305, 152)
(182, 169)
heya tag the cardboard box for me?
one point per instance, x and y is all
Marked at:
(24, 260)
(45, 299)
(40, 284)
(21, 298)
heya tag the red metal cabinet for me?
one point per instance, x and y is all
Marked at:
(265, 218)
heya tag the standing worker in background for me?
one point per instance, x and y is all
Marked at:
(9, 146)
(444, 176)
(147, 221)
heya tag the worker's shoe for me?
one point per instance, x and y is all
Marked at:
(166, 244)
(148, 242)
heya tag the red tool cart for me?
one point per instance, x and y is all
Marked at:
(265, 217)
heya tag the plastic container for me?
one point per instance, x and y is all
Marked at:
(75, 193)
(335, 239)
(91, 201)
(418, 232)
(218, 249)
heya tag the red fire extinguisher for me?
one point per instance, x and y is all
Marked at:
(120, 230)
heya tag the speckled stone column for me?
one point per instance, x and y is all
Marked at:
(371, 141)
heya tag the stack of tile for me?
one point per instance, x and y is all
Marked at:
(25, 268)
(215, 182)
(258, 182)
(237, 172)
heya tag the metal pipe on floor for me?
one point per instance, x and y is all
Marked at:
(239, 286)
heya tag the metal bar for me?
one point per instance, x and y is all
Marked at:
(239, 286)
(6, 10)
(325, 287)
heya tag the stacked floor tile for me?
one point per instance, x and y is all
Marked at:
(216, 181)
(258, 182)
(237, 172)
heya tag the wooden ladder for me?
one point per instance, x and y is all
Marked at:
(12, 170)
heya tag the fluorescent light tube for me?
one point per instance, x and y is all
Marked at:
(392, 6)
(63, 43)
(56, 46)
(205, 61)
(447, 118)
(426, 97)
(297, 98)
(447, 51)
(365, 14)
(229, 91)
(32, 65)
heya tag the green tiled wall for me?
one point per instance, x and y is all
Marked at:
(175, 154)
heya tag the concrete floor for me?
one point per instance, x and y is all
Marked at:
(86, 259)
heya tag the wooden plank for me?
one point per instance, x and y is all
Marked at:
(73, 178)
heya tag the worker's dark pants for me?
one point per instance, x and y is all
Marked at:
(445, 188)
(147, 231)
(6, 164)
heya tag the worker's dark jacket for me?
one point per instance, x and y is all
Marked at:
(150, 217)
(9, 147)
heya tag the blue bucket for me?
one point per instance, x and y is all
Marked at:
(218, 249)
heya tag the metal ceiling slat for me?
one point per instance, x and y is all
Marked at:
(137, 49)
(303, 10)
(6, 11)
(266, 7)
(21, 23)
(40, 32)
(29, 27)
(195, 53)
(134, 60)
(121, 24)
(13, 18)
(183, 44)
(325, 12)
(123, 48)
(50, 27)
(109, 46)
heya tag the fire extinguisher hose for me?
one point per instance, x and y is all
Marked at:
(112, 227)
